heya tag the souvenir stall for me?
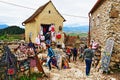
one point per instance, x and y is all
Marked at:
(28, 61)
(8, 65)
(22, 61)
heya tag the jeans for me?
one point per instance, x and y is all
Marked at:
(88, 66)
(48, 42)
(74, 57)
(49, 64)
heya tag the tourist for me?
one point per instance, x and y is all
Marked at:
(88, 55)
(75, 54)
(68, 52)
(50, 55)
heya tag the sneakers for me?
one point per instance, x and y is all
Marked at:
(87, 74)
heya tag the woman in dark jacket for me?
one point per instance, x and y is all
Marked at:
(75, 54)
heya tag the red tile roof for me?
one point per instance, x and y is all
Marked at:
(97, 4)
(38, 11)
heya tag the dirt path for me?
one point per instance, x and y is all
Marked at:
(76, 72)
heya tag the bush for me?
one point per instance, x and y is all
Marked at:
(33, 76)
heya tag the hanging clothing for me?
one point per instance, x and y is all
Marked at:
(37, 40)
(53, 35)
(42, 38)
(41, 31)
(52, 28)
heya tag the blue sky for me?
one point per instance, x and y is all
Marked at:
(74, 11)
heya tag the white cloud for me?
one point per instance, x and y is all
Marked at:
(13, 15)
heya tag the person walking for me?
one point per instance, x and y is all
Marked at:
(51, 56)
(88, 55)
(68, 52)
(75, 54)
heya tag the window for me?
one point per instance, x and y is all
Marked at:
(49, 11)
(98, 20)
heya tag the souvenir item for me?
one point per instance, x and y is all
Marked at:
(11, 71)
(58, 36)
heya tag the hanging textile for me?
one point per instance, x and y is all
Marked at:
(52, 28)
(37, 40)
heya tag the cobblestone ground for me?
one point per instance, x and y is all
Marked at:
(76, 72)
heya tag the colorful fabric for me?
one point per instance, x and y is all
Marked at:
(32, 63)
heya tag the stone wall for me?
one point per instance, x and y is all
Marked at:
(105, 23)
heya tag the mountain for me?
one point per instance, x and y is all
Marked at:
(76, 29)
(2, 26)
(11, 30)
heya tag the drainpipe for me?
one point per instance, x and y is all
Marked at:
(89, 37)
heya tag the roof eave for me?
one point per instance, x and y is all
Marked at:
(39, 10)
(97, 4)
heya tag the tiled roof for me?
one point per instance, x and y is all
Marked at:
(38, 11)
(97, 4)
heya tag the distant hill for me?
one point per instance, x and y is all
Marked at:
(12, 30)
(2, 26)
(76, 29)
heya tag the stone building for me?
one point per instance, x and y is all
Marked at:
(104, 20)
(43, 17)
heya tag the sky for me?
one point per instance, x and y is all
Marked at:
(14, 12)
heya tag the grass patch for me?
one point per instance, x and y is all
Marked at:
(32, 76)
(77, 34)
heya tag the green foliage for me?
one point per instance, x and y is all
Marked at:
(3, 37)
(37, 74)
(11, 30)
(77, 34)
(32, 76)
(25, 77)
(11, 33)
(9, 38)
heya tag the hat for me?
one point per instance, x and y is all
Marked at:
(22, 41)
